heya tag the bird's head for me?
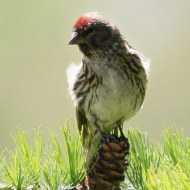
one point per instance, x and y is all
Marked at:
(92, 33)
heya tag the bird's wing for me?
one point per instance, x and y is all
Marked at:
(82, 124)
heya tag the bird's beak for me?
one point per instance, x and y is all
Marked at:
(76, 39)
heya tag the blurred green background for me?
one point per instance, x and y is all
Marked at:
(34, 56)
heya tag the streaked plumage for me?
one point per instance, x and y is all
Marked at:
(109, 85)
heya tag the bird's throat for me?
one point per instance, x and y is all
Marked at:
(84, 49)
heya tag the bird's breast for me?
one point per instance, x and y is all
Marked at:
(115, 99)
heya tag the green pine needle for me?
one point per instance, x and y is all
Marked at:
(61, 164)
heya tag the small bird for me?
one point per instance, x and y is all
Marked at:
(108, 87)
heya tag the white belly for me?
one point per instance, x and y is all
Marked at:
(114, 101)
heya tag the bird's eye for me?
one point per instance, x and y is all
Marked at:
(90, 30)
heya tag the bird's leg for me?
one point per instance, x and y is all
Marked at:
(121, 130)
(103, 135)
(122, 136)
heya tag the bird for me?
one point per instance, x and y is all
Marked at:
(108, 87)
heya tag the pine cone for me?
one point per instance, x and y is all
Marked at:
(110, 163)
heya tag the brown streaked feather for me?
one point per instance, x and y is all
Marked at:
(82, 124)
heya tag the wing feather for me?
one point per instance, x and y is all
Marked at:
(82, 124)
